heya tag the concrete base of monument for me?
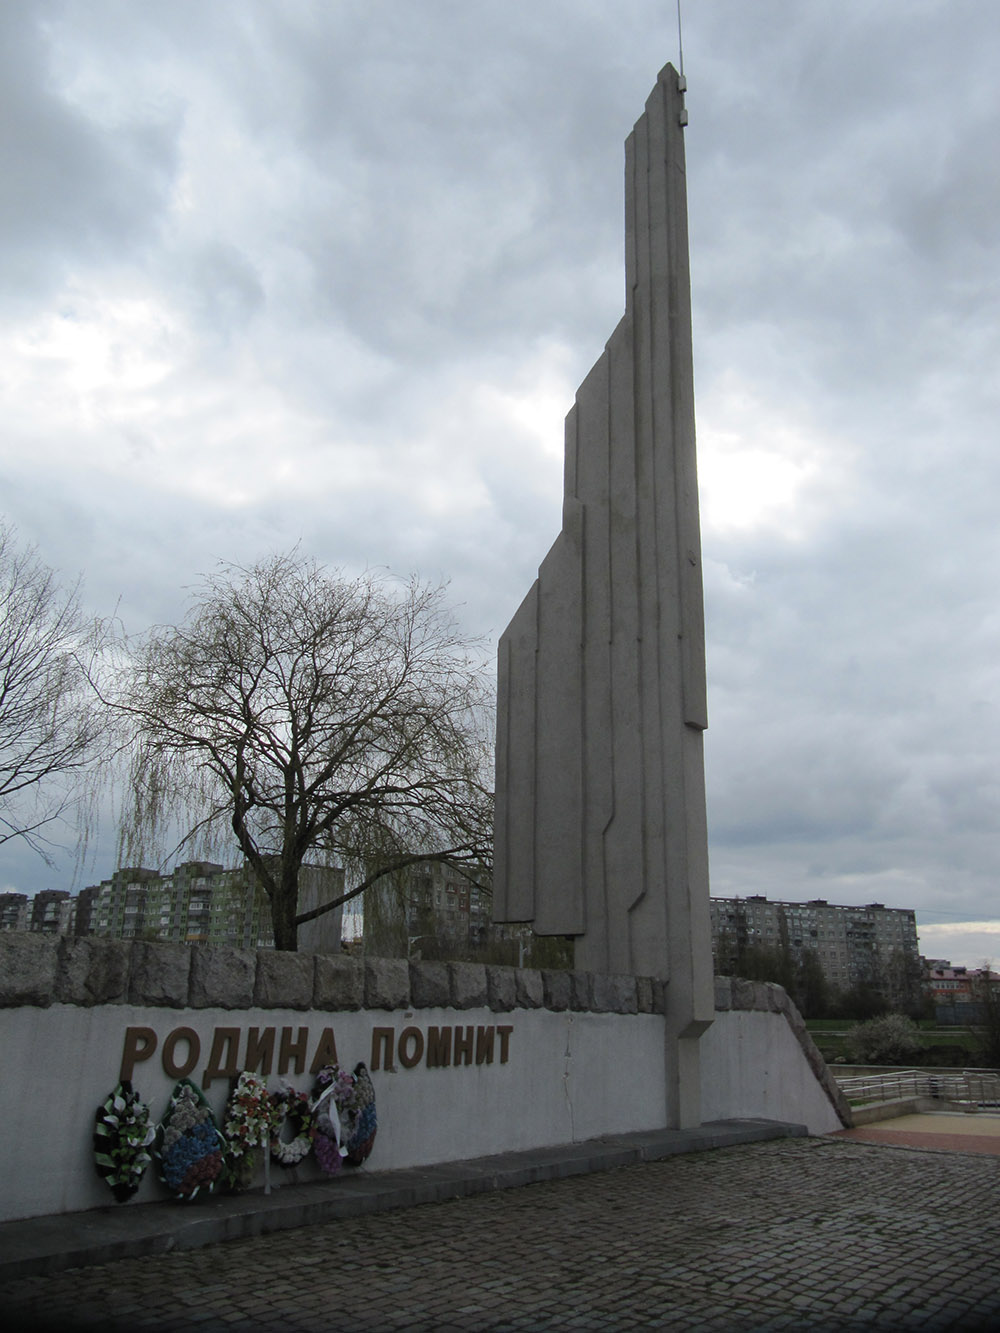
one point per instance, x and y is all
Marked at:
(37, 1246)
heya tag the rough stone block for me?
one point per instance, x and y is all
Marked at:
(501, 988)
(338, 983)
(581, 991)
(644, 994)
(92, 971)
(773, 996)
(614, 993)
(159, 974)
(468, 985)
(723, 994)
(430, 985)
(626, 993)
(284, 979)
(27, 968)
(660, 995)
(557, 989)
(796, 1022)
(222, 978)
(387, 983)
(743, 993)
(529, 993)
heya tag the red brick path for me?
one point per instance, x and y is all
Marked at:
(903, 1138)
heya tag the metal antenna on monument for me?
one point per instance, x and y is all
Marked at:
(680, 50)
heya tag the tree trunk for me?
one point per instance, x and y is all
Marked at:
(284, 906)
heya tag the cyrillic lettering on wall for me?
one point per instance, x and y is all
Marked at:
(139, 1045)
(260, 1050)
(383, 1043)
(326, 1051)
(225, 1065)
(438, 1048)
(409, 1057)
(174, 1068)
(293, 1050)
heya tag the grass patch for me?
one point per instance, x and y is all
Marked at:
(940, 1046)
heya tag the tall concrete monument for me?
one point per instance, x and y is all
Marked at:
(600, 818)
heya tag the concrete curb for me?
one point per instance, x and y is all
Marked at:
(37, 1246)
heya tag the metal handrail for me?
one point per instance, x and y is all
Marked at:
(979, 1087)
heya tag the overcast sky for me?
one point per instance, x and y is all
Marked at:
(331, 272)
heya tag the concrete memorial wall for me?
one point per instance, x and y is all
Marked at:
(466, 1060)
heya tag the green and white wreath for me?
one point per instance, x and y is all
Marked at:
(294, 1110)
(122, 1133)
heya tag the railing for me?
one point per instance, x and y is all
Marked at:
(969, 1087)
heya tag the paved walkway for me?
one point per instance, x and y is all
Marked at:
(955, 1131)
(825, 1234)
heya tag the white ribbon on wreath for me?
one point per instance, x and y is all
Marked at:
(327, 1115)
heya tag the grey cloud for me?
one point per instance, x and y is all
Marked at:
(226, 289)
(67, 186)
(419, 199)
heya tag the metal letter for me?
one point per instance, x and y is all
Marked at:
(290, 1050)
(170, 1065)
(326, 1051)
(140, 1043)
(230, 1038)
(463, 1044)
(484, 1045)
(438, 1048)
(406, 1058)
(387, 1038)
(260, 1050)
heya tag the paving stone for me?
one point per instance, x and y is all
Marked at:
(723, 1240)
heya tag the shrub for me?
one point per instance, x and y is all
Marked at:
(890, 1040)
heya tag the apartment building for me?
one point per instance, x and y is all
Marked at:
(199, 902)
(13, 911)
(442, 898)
(854, 945)
(423, 907)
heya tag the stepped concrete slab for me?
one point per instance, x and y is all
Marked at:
(42, 1245)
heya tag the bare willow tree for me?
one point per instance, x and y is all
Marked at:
(305, 715)
(48, 722)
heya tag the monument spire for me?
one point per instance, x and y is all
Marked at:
(600, 824)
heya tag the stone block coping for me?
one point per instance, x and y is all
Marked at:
(41, 970)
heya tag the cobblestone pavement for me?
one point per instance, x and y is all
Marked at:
(790, 1234)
